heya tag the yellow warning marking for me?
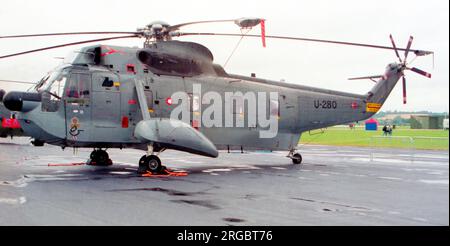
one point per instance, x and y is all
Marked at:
(373, 107)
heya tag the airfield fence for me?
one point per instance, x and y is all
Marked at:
(409, 144)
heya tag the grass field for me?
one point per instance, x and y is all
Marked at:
(343, 136)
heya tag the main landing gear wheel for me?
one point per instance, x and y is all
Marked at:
(150, 163)
(99, 157)
(297, 159)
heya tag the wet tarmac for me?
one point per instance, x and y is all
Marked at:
(333, 186)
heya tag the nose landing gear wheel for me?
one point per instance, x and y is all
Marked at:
(150, 163)
(297, 159)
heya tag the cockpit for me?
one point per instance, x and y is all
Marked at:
(62, 83)
(53, 82)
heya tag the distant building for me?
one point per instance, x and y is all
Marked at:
(427, 121)
(371, 124)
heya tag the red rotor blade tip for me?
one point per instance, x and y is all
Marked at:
(428, 75)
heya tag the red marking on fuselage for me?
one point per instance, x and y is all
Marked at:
(125, 121)
(111, 51)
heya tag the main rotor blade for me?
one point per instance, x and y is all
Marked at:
(417, 52)
(404, 90)
(395, 48)
(178, 26)
(408, 47)
(428, 75)
(17, 81)
(63, 34)
(68, 44)
(241, 22)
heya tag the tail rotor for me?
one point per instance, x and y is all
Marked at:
(404, 64)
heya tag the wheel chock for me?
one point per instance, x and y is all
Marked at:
(165, 173)
(65, 164)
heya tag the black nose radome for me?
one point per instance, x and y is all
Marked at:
(13, 101)
(21, 101)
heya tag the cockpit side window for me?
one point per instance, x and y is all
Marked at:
(52, 89)
(78, 86)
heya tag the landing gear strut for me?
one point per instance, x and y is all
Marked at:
(99, 157)
(150, 162)
(295, 156)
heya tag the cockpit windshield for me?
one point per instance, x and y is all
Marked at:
(53, 82)
(52, 88)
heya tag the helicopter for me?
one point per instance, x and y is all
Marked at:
(155, 98)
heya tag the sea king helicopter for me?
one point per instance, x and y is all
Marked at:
(123, 97)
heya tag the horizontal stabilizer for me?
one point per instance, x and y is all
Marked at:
(175, 134)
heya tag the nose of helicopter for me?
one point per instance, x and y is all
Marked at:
(21, 101)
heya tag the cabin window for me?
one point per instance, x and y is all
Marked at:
(105, 81)
(78, 86)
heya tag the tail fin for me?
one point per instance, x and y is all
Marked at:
(379, 93)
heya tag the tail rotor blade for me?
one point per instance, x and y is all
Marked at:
(408, 47)
(404, 90)
(395, 48)
(423, 73)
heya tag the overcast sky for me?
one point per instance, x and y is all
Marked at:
(319, 65)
